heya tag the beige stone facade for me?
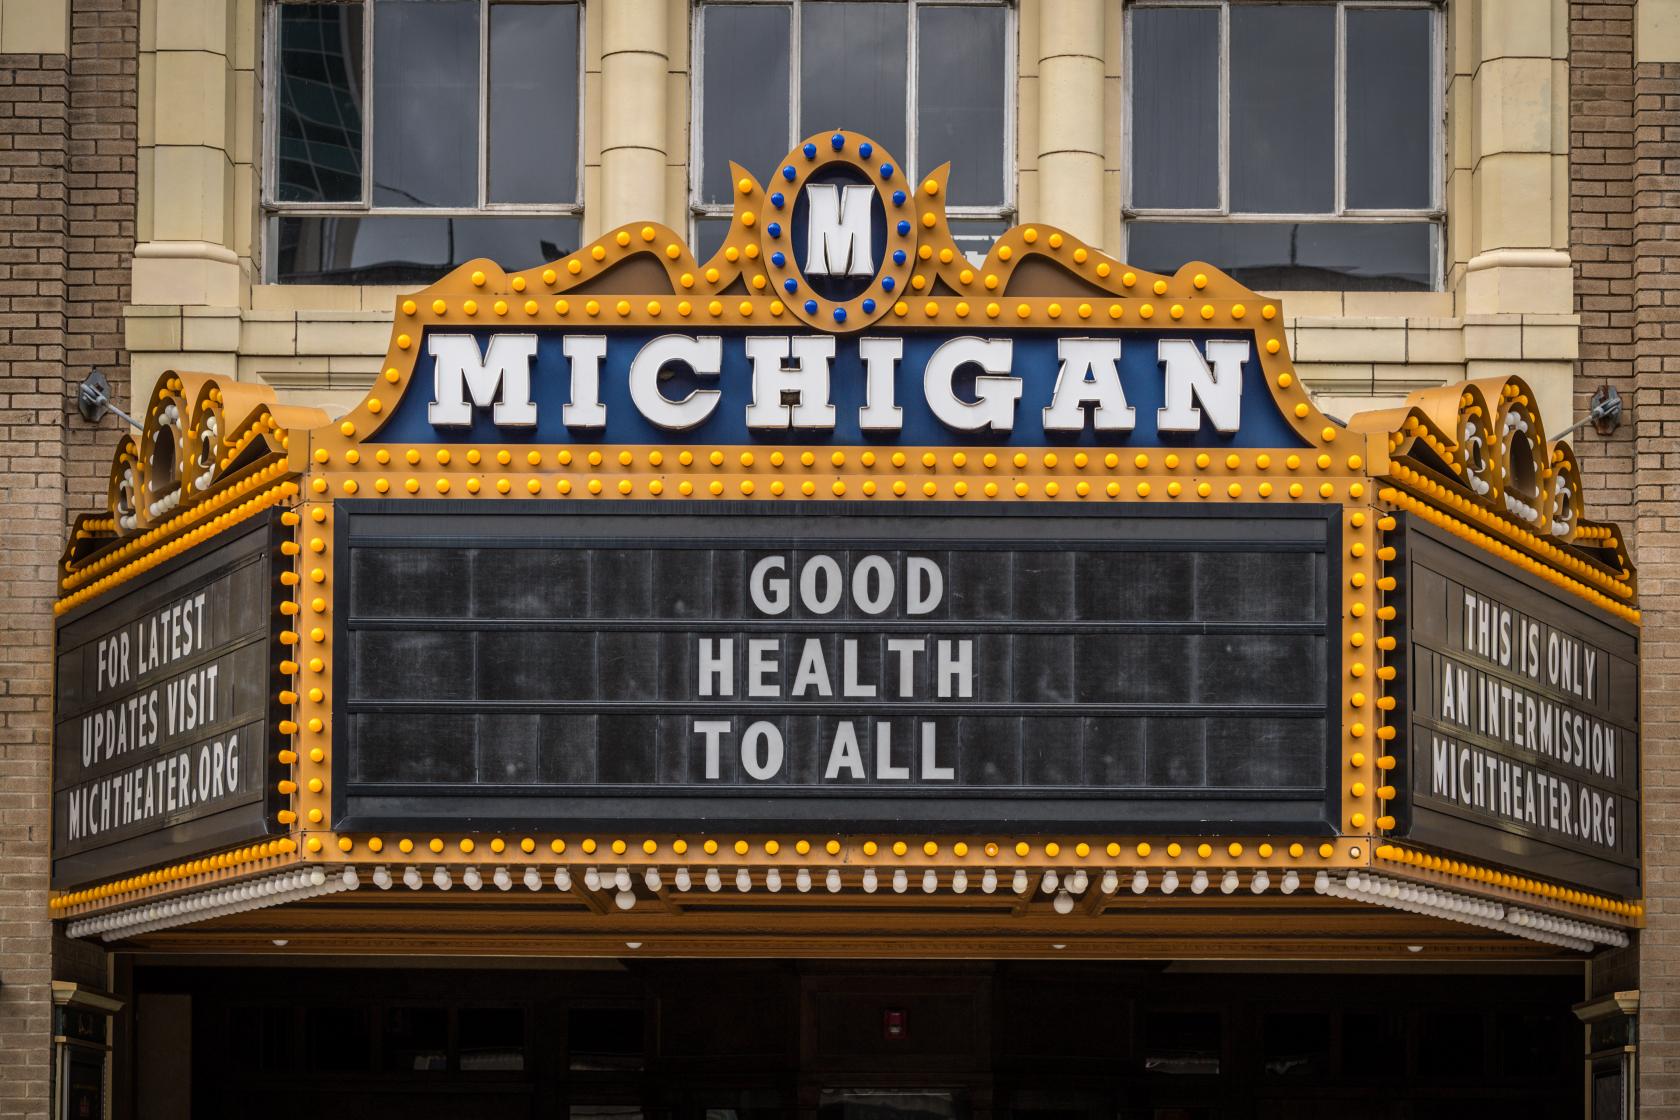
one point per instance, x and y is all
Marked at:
(133, 242)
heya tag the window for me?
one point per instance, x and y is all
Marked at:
(1297, 145)
(931, 82)
(455, 136)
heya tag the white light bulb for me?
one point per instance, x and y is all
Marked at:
(869, 882)
(562, 879)
(1169, 882)
(803, 880)
(625, 899)
(683, 881)
(832, 881)
(1110, 881)
(1199, 883)
(930, 882)
(622, 879)
(411, 878)
(714, 881)
(901, 881)
(773, 880)
(503, 879)
(743, 881)
(533, 879)
(1140, 881)
(382, 878)
(652, 879)
(959, 881)
(591, 879)
(988, 881)
(471, 878)
(1050, 882)
(1228, 884)
(1063, 902)
(1021, 884)
(440, 879)
(1260, 882)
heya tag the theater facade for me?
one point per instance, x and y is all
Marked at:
(844, 673)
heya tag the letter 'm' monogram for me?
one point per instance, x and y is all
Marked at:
(458, 370)
(839, 241)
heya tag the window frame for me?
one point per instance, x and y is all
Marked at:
(1435, 213)
(273, 207)
(700, 210)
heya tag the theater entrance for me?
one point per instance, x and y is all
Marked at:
(907, 1040)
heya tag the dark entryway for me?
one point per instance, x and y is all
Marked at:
(729, 1040)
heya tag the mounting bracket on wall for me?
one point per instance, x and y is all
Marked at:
(1604, 413)
(93, 400)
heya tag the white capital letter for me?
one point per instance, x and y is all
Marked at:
(995, 396)
(839, 241)
(1189, 378)
(1088, 376)
(459, 370)
(703, 355)
(783, 365)
(585, 409)
(880, 411)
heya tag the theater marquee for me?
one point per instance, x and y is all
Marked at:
(843, 543)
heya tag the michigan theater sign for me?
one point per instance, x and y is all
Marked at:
(844, 555)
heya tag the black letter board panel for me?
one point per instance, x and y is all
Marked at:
(555, 664)
(1523, 744)
(166, 693)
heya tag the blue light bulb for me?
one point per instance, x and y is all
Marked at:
(777, 200)
(888, 283)
(868, 306)
(838, 140)
(886, 171)
(774, 229)
(810, 151)
(778, 259)
(788, 173)
(898, 256)
(866, 149)
(904, 229)
(791, 285)
(810, 307)
(898, 198)
(839, 314)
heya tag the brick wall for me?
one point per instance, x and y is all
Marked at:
(67, 201)
(1624, 225)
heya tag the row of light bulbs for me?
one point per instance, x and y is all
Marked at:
(235, 898)
(1062, 888)
(1417, 898)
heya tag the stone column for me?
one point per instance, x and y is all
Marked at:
(1070, 102)
(635, 60)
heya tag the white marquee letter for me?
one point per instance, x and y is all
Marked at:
(783, 365)
(1088, 375)
(459, 370)
(585, 409)
(995, 396)
(880, 411)
(703, 355)
(1189, 379)
(839, 241)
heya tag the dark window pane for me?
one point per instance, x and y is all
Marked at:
(1296, 1044)
(960, 53)
(533, 102)
(425, 99)
(1451, 1044)
(1183, 1042)
(318, 110)
(390, 249)
(852, 70)
(1283, 109)
(1285, 256)
(416, 1040)
(605, 1038)
(340, 1039)
(1175, 108)
(708, 236)
(1390, 111)
(745, 94)
(491, 1038)
(974, 236)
